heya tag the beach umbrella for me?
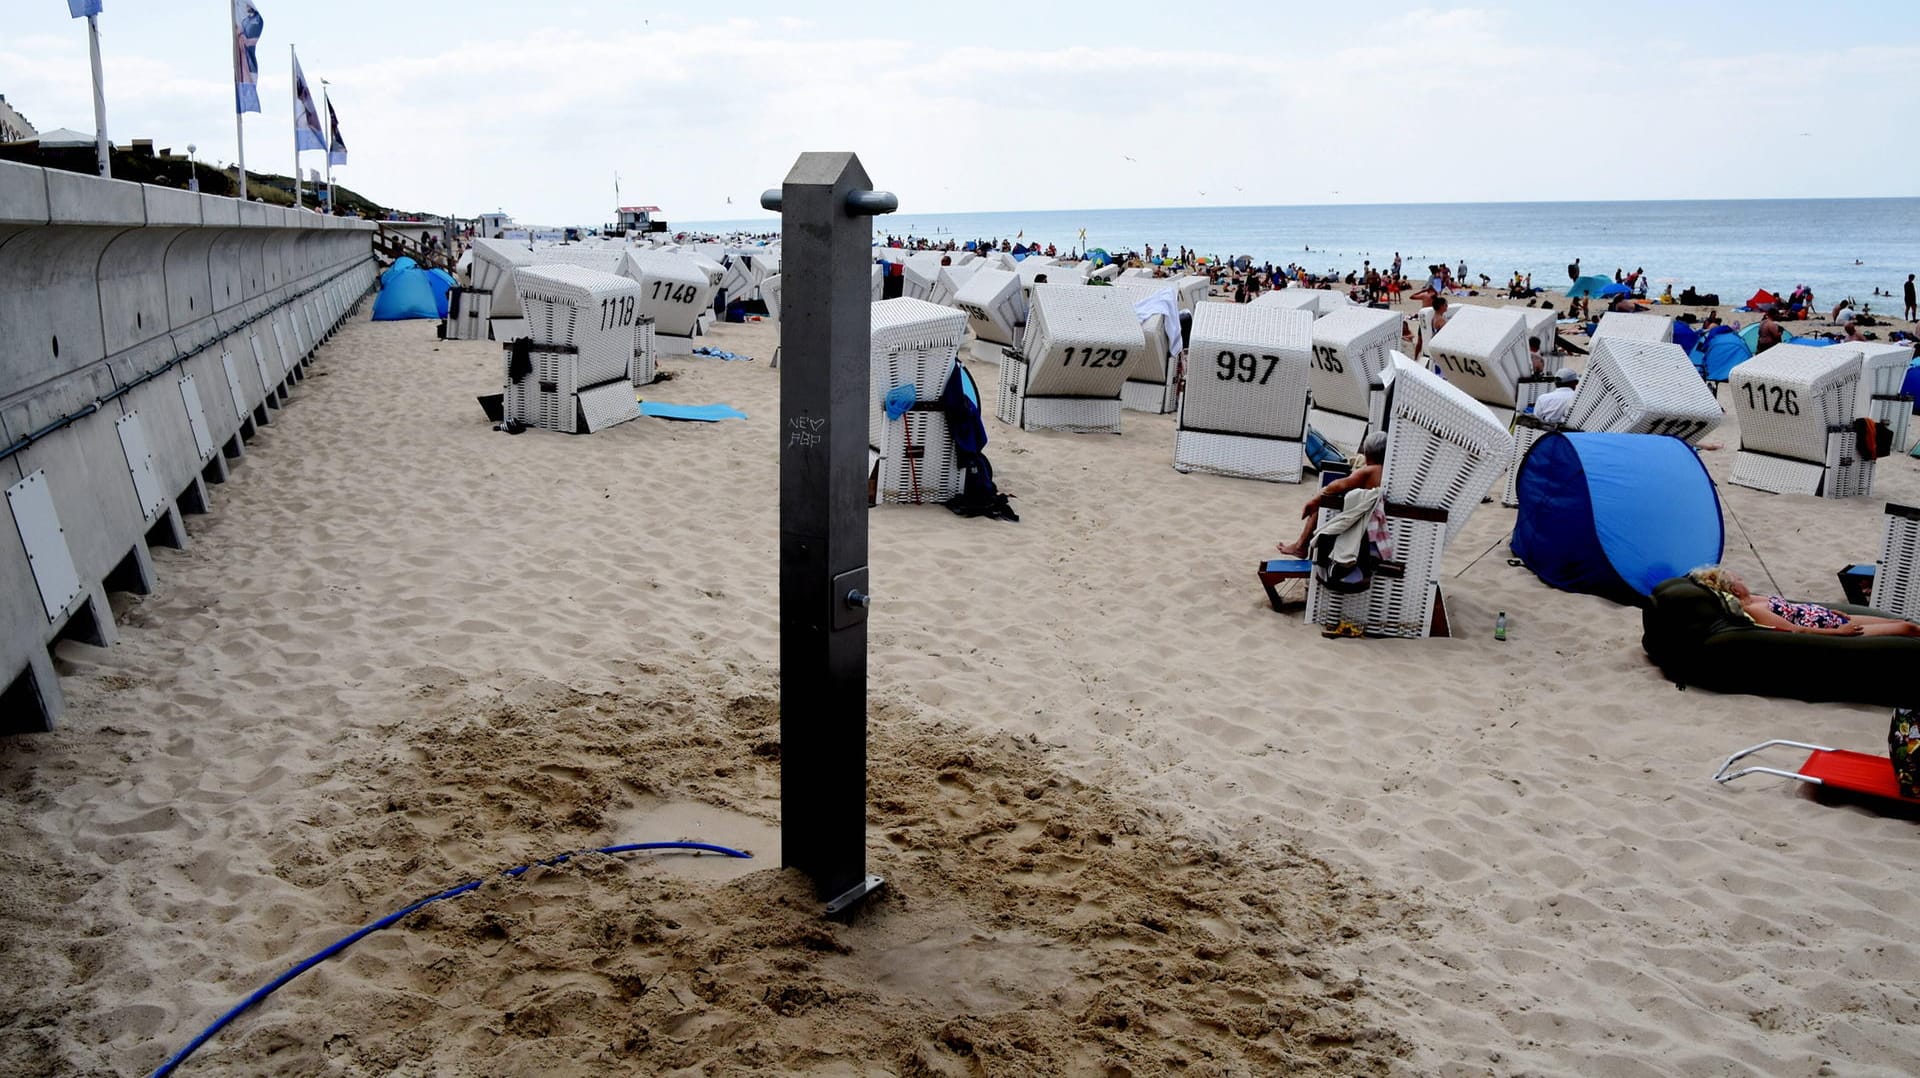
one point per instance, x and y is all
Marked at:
(1615, 288)
(1588, 286)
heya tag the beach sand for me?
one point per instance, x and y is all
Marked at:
(1133, 821)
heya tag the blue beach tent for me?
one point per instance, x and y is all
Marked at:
(442, 282)
(1588, 287)
(1717, 353)
(405, 292)
(1615, 514)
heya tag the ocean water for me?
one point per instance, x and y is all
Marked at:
(1731, 247)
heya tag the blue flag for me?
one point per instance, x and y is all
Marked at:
(307, 132)
(83, 8)
(247, 25)
(336, 146)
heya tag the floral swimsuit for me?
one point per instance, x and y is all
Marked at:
(1806, 615)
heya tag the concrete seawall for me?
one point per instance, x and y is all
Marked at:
(145, 333)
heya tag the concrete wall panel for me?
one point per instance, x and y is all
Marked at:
(23, 194)
(190, 278)
(132, 273)
(76, 199)
(49, 303)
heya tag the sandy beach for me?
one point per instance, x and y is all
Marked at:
(1133, 821)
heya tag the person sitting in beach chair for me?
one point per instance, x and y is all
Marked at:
(1373, 452)
(1774, 612)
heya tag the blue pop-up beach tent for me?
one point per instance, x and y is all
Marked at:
(1716, 354)
(442, 282)
(406, 292)
(1588, 287)
(1615, 514)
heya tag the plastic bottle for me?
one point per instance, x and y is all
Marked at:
(1500, 626)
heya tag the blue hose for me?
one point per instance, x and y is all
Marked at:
(345, 942)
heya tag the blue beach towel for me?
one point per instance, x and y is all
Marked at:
(717, 353)
(702, 413)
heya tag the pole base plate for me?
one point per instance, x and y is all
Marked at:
(853, 896)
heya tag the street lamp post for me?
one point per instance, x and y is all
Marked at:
(193, 170)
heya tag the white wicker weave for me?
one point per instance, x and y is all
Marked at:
(1398, 606)
(1541, 326)
(995, 305)
(1320, 301)
(1791, 396)
(493, 264)
(592, 313)
(1191, 289)
(1634, 326)
(1244, 412)
(1526, 431)
(673, 289)
(1883, 371)
(914, 343)
(1483, 351)
(1896, 578)
(1445, 450)
(1351, 348)
(879, 282)
(1077, 345)
(1152, 381)
(920, 274)
(770, 295)
(1643, 387)
(646, 356)
(947, 284)
(468, 311)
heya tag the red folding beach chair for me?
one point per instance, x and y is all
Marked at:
(1856, 772)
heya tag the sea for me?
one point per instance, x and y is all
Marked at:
(1838, 247)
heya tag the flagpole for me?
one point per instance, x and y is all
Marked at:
(99, 99)
(296, 127)
(240, 139)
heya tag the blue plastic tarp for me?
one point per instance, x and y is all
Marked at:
(701, 413)
(1615, 514)
(1911, 387)
(406, 294)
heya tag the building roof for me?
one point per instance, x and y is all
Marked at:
(65, 136)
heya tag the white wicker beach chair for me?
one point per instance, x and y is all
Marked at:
(646, 354)
(1643, 387)
(914, 343)
(1244, 412)
(1351, 353)
(1896, 578)
(770, 295)
(995, 305)
(581, 326)
(1483, 351)
(674, 290)
(492, 275)
(947, 285)
(1191, 289)
(1068, 374)
(1108, 272)
(1634, 326)
(1153, 377)
(1541, 326)
(1883, 370)
(1796, 405)
(879, 282)
(1444, 450)
(1319, 301)
(920, 274)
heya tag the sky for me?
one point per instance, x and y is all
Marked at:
(464, 106)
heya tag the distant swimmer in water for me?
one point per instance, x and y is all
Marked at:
(1857, 262)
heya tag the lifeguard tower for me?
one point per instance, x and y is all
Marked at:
(634, 220)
